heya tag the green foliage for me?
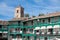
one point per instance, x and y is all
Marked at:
(26, 15)
(41, 14)
(33, 16)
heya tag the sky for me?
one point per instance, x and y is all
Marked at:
(32, 7)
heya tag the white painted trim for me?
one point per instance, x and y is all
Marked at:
(13, 39)
(43, 33)
(49, 27)
(37, 28)
(54, 32)
(38, 33)
(20, 31)
(5, 32)
(17, 39)
(33, 32)
(56, 26)
(13, 31)
(48, 32)
(0, 31)
(43, 27)
(59, 32)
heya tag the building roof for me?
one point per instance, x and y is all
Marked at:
(19, 19)
(3, 22)
(32, 18)
(49, 15)
(46, 16)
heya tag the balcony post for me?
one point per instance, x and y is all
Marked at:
(35, 35)
(22, 34)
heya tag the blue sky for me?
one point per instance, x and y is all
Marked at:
(33, 7)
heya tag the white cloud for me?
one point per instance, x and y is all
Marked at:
(6, 10)
(52, 7)
(54, 1)
(38, 0)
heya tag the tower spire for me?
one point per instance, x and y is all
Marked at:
(19, 12)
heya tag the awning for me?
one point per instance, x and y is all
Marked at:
(43, 27)
(37, 28)
(56, 26)
(49, 27)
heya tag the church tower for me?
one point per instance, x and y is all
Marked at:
(19, 12)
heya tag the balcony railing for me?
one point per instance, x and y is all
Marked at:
(29, 35)
(47, 33)
(28, 32)
(30, 38)
(43, 33)
(4, 28)
(0, 30)
(5, 32)
(4, 36)
(16, 39)
(16, 32)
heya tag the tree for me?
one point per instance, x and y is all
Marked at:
(41, 15)
(33, 16)
(26, 15)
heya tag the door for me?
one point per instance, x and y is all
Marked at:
(45, 38)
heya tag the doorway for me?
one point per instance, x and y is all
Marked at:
(5, 38)
(45, 38)
(50, 30)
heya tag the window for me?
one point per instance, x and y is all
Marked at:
(28, 37)
(0, 26)
(31, 29)
(49, 20)
(43, 21)
(17, 11)
(32, 22)
(0, 34)
(45, 38)
(50, 30)
(56, 19)
(19, 23)
(37, 30)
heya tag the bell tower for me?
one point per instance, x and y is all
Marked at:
(19, 12)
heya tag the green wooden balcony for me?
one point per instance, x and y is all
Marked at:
(15, 27)
(15, 24)
(15, 33)
(4, 29)
(28, 26)
(32, 26)
(0, 29)
(29, 35)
